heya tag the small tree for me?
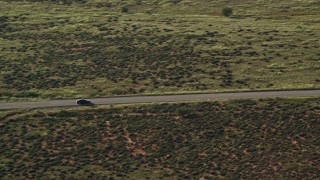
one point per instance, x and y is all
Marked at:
(227, 11)
(125, 10)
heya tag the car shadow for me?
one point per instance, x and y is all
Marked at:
(90, 105)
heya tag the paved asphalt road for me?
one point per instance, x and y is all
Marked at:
(164, 98)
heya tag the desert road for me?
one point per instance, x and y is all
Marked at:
(164, 98)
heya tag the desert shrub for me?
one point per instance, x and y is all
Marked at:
(175, 1)
(64, 113)
(27, 94)
(183, 110)
(125, 10)
(9, 94)
(227, 11)
(4, 19)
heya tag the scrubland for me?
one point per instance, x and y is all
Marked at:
(52, 49)
(271, 138)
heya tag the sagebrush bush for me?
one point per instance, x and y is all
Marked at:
(227, 11)
(125, 10)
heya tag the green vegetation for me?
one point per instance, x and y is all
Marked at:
(227, 11)
(73, 48)
(125, 10)
(244, 139)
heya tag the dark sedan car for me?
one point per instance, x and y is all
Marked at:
(84, 102)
